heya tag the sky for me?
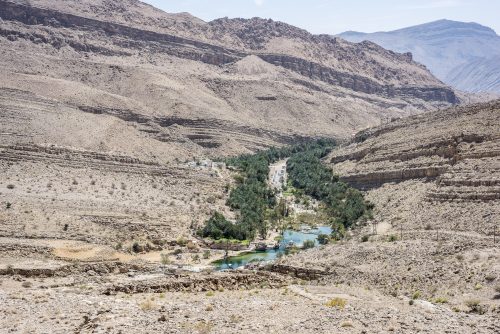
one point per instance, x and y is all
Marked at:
(336, 16)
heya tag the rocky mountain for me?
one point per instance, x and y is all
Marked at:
(464, 55)
(175, 86)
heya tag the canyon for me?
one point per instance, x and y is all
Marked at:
(115, 122)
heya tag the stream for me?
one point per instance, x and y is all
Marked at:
(289, 236)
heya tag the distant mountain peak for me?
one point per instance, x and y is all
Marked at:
(451, 49)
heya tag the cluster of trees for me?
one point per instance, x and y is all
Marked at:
(344, 204)
(218, 227)
(252, 197)
(256, 202)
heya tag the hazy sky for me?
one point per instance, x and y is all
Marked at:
(335, 16)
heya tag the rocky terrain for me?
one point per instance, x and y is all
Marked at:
(176, 84)
(434, 180)
(464, 55)
(109, 113)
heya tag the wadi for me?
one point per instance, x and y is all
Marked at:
(161, 173)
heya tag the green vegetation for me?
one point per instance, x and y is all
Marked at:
(323, 239)
(308, 244)
(256, 202)
(206, 254)
(344, 204)
(336, 303)
(164, 259)
(218, 227)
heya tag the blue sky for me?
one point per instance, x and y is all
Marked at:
(335, 16)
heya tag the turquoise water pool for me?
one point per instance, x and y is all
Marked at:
(296, 237)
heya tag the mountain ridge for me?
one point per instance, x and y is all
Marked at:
(445, 46)
(170, 82)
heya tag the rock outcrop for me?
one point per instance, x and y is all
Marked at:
(452, 154)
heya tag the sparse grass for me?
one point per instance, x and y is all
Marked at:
(234, 318)
(416, 295)
(203, 327)
(209, 308)
(440, 300)
(475, 306)
(147, 305)
(210, 294)
(338, 303)
(478, 286)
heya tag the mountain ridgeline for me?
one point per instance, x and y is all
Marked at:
(463, 55)
(177, 86)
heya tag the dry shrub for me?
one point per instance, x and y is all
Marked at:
(337, 303)
(147, 305)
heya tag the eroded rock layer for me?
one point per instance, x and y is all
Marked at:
(179, 86)
(455, 151)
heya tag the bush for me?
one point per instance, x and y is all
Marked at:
(308, 244)
(323, 239)
(218, 227)
(416, 295)
(475, 306)
(206, 254)
(147, 305)
(136, 248)
(440, 300)
(392, 238)
(8, 205)
(65, 228)
(181, 241)
(365, 238)
(10, 186)
(337, 303)
(164, 259)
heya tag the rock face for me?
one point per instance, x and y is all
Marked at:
(454, 154)
(464, 55)
(179, 85)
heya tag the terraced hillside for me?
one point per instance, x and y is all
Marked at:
(450, 160)
(175, 85)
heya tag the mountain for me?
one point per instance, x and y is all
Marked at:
(464, 55)
(173, 85)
